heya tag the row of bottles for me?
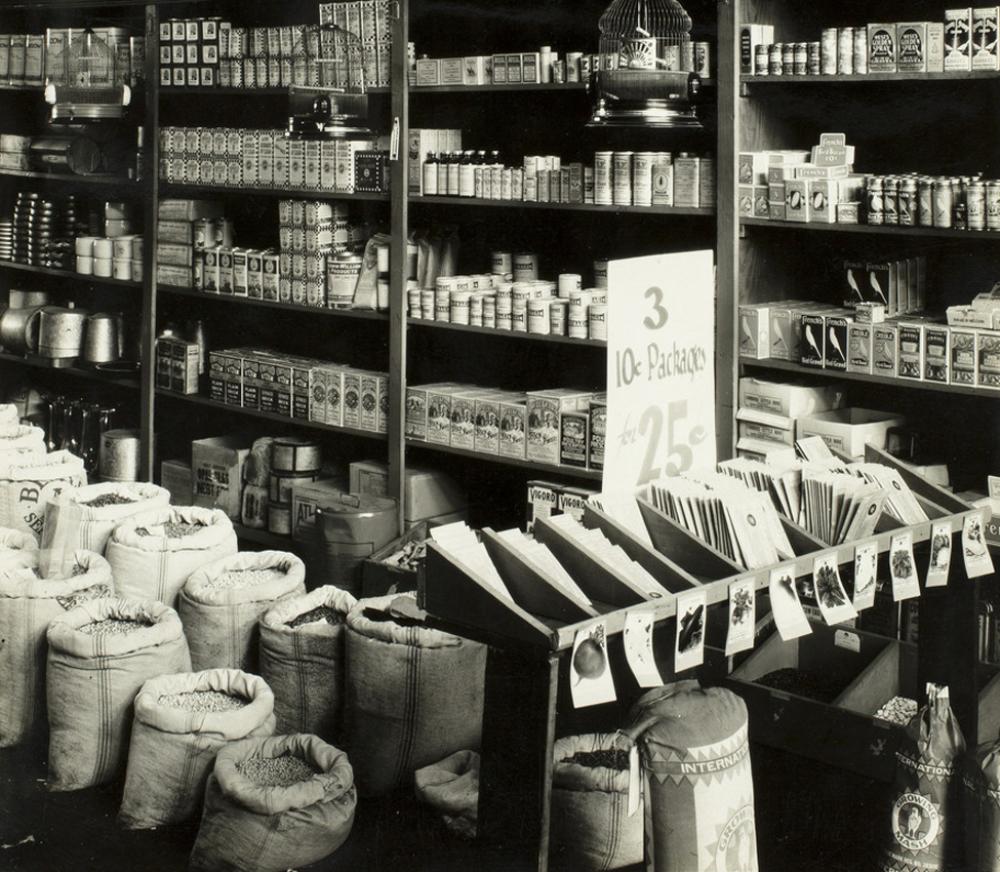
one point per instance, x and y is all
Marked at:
(453, 174)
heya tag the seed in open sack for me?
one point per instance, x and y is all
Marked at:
(242, 578)
(898, 710)
(809, 684)
(97, 591)
(204, 701)
(172, 530)
(110, 499)
(323, 613)
(281, 771)
(611, 758)
(113, 627)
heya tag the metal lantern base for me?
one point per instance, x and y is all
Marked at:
(652, 113)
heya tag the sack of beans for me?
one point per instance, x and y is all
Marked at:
(302, 660)
(18, 548)
(697, 788)
(181, 722)
(982, 798)
(86, 517)
(274, 804)
(100, 654)
(221, 604)
(22, 439)
(925, 818)
(10, 419)
(28, 481)
(451, 786)
(413, 695)
(591, 827)
(27, 606)
(153, 554)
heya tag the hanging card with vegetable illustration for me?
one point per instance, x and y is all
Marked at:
(590, 678)
(829, 591)
(789, 616)
(940, 557)
(689, 647)
(638, 639)
(865, 575)
(902, 568)
(974, 549)
(742, 616)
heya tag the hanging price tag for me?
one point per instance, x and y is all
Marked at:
(789, 617)
(940, 561)
(742, 616)
(902, 568)
(974, 551)
(590, 680)
(829, 590)
(638, 640)
(689, 646)
(865, 573)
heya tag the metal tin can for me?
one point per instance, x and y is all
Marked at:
(993, 205)
(975, 205)
(800, 58)
(860, 51)
(525, 267)
(760, 60)
(828, 51)
(642, 178)
(813, 58)
(603, 161)
(703, 59)
(959, 216)
(204, 233)
(925, 201)
(845, 51)
(907, 202)
(623, 178)
(875, 190)
(788, 58)
(890, 200)
(944, 202)
(774, 58)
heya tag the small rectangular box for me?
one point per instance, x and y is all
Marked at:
(544, 409)
(848, 213)
(797, 200)
(822, 201)
(958, 39)
(251, 383)
(911, 47)
(988, 360)
(452, 71)
(910, 351)
(428, 72)
(849, 430)
(439, 400)
(755, 331)
(836, 342)
(884, 349)
(963, 370)
(859, 347)
(574, 439)
(513, 427)
(475, 71)
(334, 400)
(368, 413)
(598, 430)
(499, 69)
(463, 420)
(814, 346)
(984, 38)
(935, 47)
(752, 168)
(513, 69)
(268, 384)
(217, 473)
(881, 48)
(530, 73)
(766, 428)
(788, 400)
(751, 36)
(937, 354)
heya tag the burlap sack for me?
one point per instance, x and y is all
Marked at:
(697, 785)
(22, 439)
(18, 549)
(451, 786)
(72, 521)
(173, 750)
(414, 696)
(221, 622)
(925, 818)
(591, 827)
(304, 665)
(154, 566)
(27, 606)
(246, 828)
(28, 481)
(9, 419)
(92, 681)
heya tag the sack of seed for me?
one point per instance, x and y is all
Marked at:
(27, 481)
(925, 817)
(9, 419)
(181, 722)
(100, 654)
(18, 549)
(27, 606)
(591, 827)
(153, 554)
(22, 439)
(221, 604)
(85, 518)
(451, 786)
(274, 804)
(982, 820)
(302, 660)
(413, 695)
(697, 788)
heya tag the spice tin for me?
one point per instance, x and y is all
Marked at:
(845, 51)
(800, 58)
(828, 51)
(860, 51)
(760, 60)
(907, 202)
(788, 58)
(993, 205)
(813, 58)
(975, 205)
(775, 57)
(944, 202)
(875, 193)
(890, 200)
(925, 197)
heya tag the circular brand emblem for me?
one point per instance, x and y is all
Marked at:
(915, 822)
(737, 847)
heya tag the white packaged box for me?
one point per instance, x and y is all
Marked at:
(850, 430)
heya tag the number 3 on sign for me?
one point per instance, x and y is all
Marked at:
(658, 320)
(679, 453)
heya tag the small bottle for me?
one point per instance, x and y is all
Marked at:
(467, 175)
(442, 171)
(431, 175)
(454, 169)
(137, 168)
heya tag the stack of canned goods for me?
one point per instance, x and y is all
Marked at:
(42, 231)
(513, 298)
(840, 51)
(946, 202)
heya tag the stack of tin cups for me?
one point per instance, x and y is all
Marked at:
(120, 257)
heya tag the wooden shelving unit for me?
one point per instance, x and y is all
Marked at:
(534, 466)
(870, 78)
(81, 372)
(874, 230)
(679, 211)
(229, 300)
(67, 275)
(421, 323)
(193, 190)
(71, 180)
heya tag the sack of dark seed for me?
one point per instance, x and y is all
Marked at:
(591, 827)
(100, 654)
(85, 517)
(302, 659)
(154, 553)
(221, 604)
(28, 605)
(274, 804)
(181, 723)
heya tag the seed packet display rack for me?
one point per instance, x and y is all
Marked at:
(531, 641)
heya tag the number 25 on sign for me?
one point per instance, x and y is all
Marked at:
(661, 430)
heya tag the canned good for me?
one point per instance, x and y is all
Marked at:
(414, 303)
(642, 178)
(342, 273)
(925, 199)
(993, 205)
(603, 162)
(703, 59)
(427, 304)
(600, 274)
(959, 218)
(622, 191)
(800, 58)
(845, 51)
(760, 60)
(568, 283)
(907, 204)
(775, 57)
(975, 205)
(204, 233)
(944, 202)
(860, 51)
(788, 58)
(814, 58)
(503, 263)
(459, 307)
(875, 190)
(890, 200)
(525, 267)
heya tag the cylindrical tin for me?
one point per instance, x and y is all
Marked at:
(459, 308)
(101, 341)
(800, 58)
(845, 51)
(60, 332)
(503, 262)
(813, 58)
(890, 200)
(642, 178)
(788, 58)
(569, 282)
(875, 200)
(597, 318)
(281, 484)
(19, 330)
(600, 274)
(703, 59)
(622, 178)
(828, 51)
(442, 304)
(291, 454)
(993, 205)
(925, 201)
(760, 60)
(539, 315)
(342, 273)
(119, 455)
(603, 178)
(860, 51)
(103, 267)
(775, 55)
(279, 519)
(944, 202)
(525, 267)
(975, 205)
(413, 302)
(907, 202)
(121, 269)
(427, 303)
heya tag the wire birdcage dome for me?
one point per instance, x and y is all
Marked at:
(645, 34)
(89, 61)
(90, 88)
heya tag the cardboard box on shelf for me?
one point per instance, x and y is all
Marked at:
(217, 473)
(788, 399)
(850, 430)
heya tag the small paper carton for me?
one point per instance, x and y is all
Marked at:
(217, 473)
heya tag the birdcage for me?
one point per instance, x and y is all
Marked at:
(90, 87)
(644, 77)
(328, 97)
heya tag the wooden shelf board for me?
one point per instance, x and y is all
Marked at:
(67, 274)
(200, 400)
(564, 207)
(506, 334)
(875, 230)
(72, 179)
(190, 91)
(495, 89)
(869, 78)
(228, 299)
(309, 193)
(116, 379)
(542, 468)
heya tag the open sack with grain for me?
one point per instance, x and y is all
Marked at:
(9, 418)
(181, 723)
(591, 827)
(86, 517)
(27, 481)
(21, 439)
(100, 655)
(221, 604)
(274, 804)
(154, 553)
(413, 695)
(18, 548)
(451, 787)
(28, 604)
(302, 660)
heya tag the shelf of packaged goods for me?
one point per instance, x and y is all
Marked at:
(96, 375)
(697, 211)
(227, 299)
(507, 334)
(533, 466)
(200, 400)
(171, 91)
(25, 89)
(911, 384)
(304, 193)
(269, 540)
(869, 78)
(71, 179)
(876, 230)
(67, 274)
(496, 89)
